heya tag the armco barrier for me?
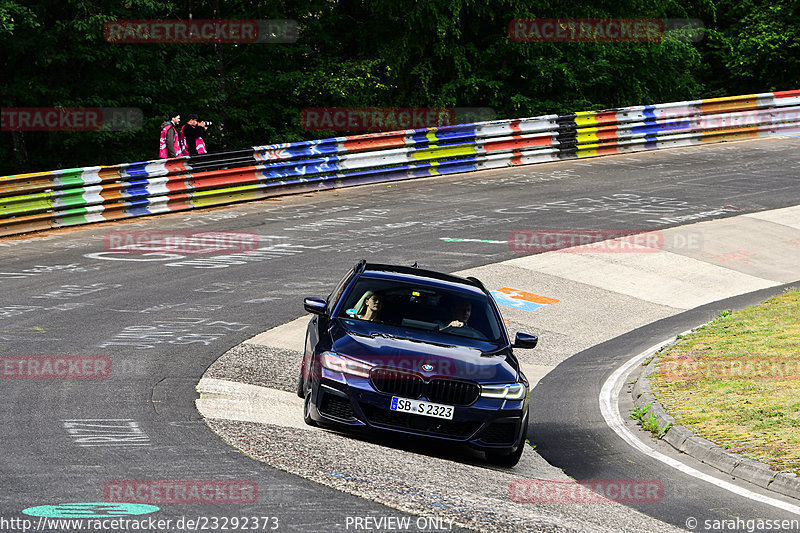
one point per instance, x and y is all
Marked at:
(44, 200)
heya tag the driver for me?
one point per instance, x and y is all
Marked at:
(459, 313)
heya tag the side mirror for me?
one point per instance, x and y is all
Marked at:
(525, 340)
(317, 306)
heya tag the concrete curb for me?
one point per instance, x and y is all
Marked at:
(683, 440)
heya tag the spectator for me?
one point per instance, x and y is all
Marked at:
(193, 132)
(172, 143)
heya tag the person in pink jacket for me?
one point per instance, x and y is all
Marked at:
(193, 132)
(172, 143)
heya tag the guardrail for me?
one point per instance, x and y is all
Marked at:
(44, 200)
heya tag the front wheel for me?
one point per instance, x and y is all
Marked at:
(301, 385)
(507, 460)
(306, 410)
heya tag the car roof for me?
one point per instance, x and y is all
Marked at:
(421, 275)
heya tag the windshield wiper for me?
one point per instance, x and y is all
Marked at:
(498, 351)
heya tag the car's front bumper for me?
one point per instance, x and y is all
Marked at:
(488, 424)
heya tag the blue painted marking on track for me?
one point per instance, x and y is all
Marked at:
(503, 299)
(341, 475)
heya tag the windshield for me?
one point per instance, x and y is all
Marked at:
(421, 307)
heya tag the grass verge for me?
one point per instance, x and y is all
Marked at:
(736, 381)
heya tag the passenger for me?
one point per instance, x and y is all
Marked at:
(371, 306)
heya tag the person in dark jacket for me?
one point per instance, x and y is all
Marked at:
(193, 132)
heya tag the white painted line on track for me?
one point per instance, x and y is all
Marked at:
(230, 400)
(289, 336)
(610, 410)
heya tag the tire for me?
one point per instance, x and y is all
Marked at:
(301, 385)
(507, 460)
(306, 406)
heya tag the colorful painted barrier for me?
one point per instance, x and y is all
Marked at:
(44, 200)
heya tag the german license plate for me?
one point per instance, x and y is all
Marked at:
(417, 407)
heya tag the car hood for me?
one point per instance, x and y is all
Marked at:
(430, 355)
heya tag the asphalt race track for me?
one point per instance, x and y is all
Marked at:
(571, 432)
(161, 319)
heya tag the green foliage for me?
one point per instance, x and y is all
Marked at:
(755, 46)
(639, 413)
(361, 53)
(649, 423)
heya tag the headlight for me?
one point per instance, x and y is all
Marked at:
(512, 391)
(345, 365)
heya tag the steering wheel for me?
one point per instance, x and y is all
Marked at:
(464, 331)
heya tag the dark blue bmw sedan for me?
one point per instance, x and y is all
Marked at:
(412, 351)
